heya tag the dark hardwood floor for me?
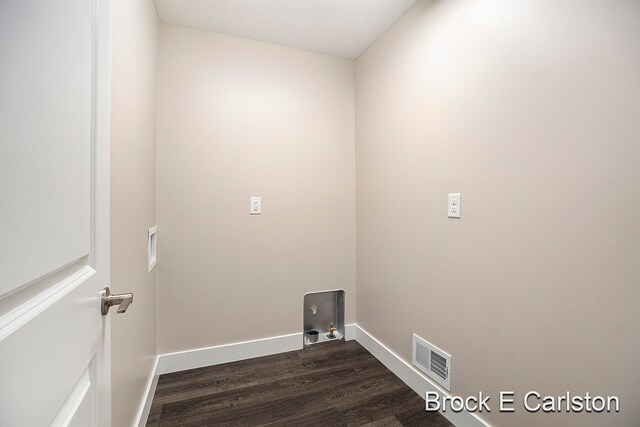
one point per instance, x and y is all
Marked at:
(335, 384)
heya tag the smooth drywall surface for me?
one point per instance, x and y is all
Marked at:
(133, 189)
(530, 110)
(240, 118)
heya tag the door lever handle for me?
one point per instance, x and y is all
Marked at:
(108, 300)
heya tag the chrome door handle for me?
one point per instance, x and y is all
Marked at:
(123, 301)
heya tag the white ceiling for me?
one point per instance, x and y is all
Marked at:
(342, 28)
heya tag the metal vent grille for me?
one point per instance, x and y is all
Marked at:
(422, 354)
(439, 365)
(432, 361)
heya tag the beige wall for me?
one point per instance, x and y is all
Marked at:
(530, 110)
(133, 155)
(240, 118)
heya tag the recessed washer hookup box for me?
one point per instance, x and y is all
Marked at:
(323, 317)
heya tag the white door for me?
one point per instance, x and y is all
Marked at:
(54, 206)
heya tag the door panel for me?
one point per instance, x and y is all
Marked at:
(79, 407)
(43, 360)
(54, 249)
(45, 155)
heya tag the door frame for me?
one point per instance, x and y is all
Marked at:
(101, 182)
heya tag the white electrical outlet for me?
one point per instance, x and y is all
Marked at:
(255, 205)
(454, 205)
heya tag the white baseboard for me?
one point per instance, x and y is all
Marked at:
(412, 377)
(145, 406)
(350, 332)
(198, 358)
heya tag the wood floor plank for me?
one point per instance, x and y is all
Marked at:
(337, 384)
(277, 396)
(377, 407)
(204, 381)
(154, 415)
(388, 421)
(327, 417)
(283, 385)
